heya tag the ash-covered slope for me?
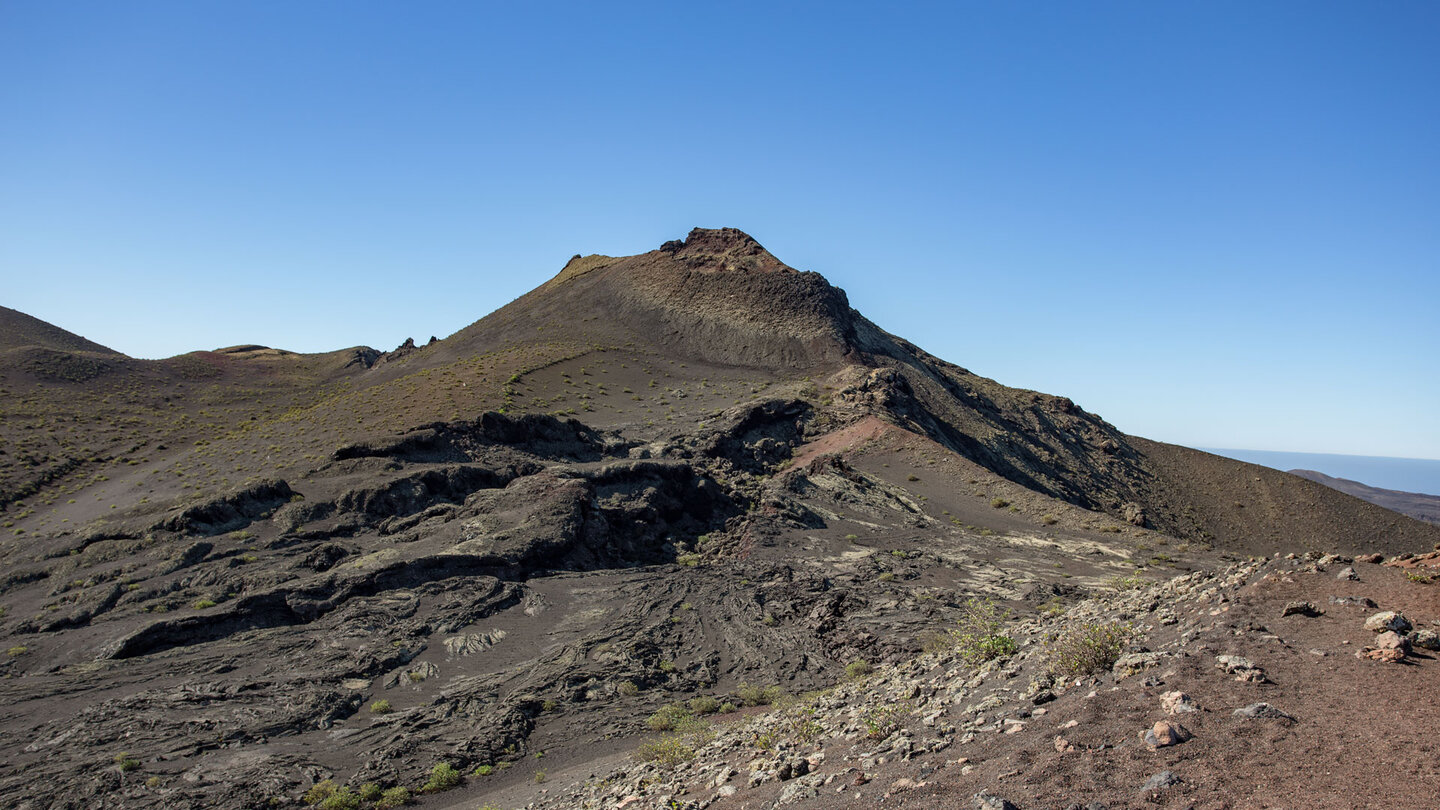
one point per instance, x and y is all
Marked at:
(18, 330)
(1413, 504)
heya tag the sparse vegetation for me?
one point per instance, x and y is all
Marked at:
(443, 777)
(391, 798)
(381, 706)
(1089, 648)
(757, 696)
(999, 503)
(979, 637)
(675, 717)
(669, 751)
(858, 669)
(1128, 583)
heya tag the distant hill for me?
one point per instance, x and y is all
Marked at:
(1414, 504)
(18, 330)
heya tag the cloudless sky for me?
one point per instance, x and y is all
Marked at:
(1213, 223)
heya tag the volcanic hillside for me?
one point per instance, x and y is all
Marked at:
(695, 472)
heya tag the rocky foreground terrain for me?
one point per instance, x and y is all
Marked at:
(680, 529)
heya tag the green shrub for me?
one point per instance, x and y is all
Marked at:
(726, 707)
(858, 669)
(1049, 520)
(1129, 583)
(484, 770)
(669, 751)
(999, 503)
(539, 777)
(341, 799)
(381, 706)
(371, 792)
(1090, 648)
(882, 721)
(704, 705)
(627, 688)
(127, 763)
(442, 777)
(203, 603)
(667, 666)
(392, 798)
(979, 638)
(670, 718)
(320, 791)
(756, 696)
(888, 576)
(688, 560)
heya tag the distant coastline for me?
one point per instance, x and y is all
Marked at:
(1405, 474)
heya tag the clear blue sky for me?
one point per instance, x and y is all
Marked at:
(1214, 223)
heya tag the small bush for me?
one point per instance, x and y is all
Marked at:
(999, 503)
(688, 560)
(203, 603)
(320, 791)
(627, 688)
(539, 777)
(756, 696)
(979, 638)
(669, 751)
(381, 707)
(858, 669)
(341, 799)
(704, 705)
(484, 770)
(127, 763)
(882, 721)
(18, 649)
(726, 707)
(371, 792)
(393, 797)
(1049, 520)
(667, 666)
(549, 706)
(442, 777)
(1129, 583)
(1090, 648)
(675, 717)
(888, 576)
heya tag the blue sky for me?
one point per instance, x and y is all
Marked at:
(1212, 223)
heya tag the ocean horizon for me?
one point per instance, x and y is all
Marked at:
(1405, 474)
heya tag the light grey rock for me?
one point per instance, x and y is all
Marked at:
(1262, 711)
